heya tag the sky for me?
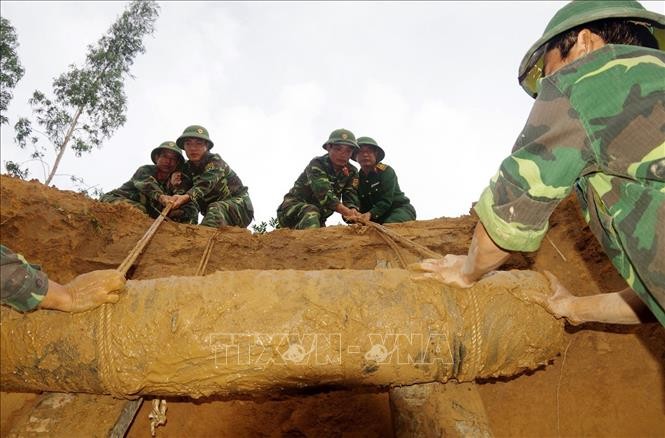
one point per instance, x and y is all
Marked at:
(434, 83)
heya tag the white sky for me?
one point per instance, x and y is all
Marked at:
(435, 83)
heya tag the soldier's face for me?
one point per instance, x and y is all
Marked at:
(195, 148)
(366, 156)
(167, 161)
(339, 154)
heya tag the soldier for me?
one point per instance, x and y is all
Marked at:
(596, 125)
(217, 190)
(151, 187)
(327, 185)
(381, 199)
(25, 287)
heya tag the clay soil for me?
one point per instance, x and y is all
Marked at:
(609, 382)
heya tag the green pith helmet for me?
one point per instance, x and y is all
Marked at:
(194, 131)
(167, 145)
(342, 136)
(576, 13)
(380, 154)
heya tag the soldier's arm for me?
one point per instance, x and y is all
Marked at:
(145, 182)
(350, 192)
(234, 183)
(549, 156)
(319, 181)
(205, 183)
(23, 286)
(386, 194)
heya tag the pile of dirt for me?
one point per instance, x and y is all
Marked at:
(596, 389)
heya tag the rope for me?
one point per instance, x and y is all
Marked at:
(203, 263)
(476, 337)
(107, 371)
(391, 237)
(391, 243)
(140, 245)
(157, 415)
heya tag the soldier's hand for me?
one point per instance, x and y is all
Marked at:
(448, 270)
(179, 200)
(561, 302)
(176, 179)
(90, 290)
(366, 217)
(165, 199)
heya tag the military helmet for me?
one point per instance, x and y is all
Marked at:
(167, 145)
(575, 14)
(194, 131)
(342, 136)
(380, 154)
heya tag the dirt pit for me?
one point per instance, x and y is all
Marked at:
(609, 382)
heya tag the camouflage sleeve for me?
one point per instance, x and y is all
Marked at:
(548, 157)
(235, 184)
(322, 190)
(350, 192)
(23, 286)
(205, 183)
(387, 194)
(146, 183)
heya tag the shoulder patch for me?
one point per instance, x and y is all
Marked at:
(381, 167)
(355, 182)
(210, 166)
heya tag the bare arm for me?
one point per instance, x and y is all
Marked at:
(464, 270)
(623, 307)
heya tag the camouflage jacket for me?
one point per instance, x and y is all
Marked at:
(379, 191)
(144, 182)
(214, 180)
(598, 125)
(22, 286)
(321, 186)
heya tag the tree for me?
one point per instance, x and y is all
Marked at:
(89, 103)
(11, 70)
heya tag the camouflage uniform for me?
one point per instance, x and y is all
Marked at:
(219, 193)
(598, 125)
(23, 286)
(143, 191)
(316, 193)
(380, 194)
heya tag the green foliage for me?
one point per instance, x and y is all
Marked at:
(262, 227)
(14, 169)
(11, 70)
(89, 102)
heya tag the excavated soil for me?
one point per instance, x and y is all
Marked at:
(609, 382)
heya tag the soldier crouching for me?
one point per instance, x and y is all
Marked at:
(327, 185)
(152, 186)
(217, 190)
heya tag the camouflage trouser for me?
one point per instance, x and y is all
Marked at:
(187, 214)
(301, 215)
(403, 213)
(236, 212)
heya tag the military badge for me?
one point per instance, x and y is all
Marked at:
(381, 166)
(355, 183)
(344, 136)
(209, 166)
(199, 131)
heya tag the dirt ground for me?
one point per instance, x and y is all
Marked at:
(609, 382)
